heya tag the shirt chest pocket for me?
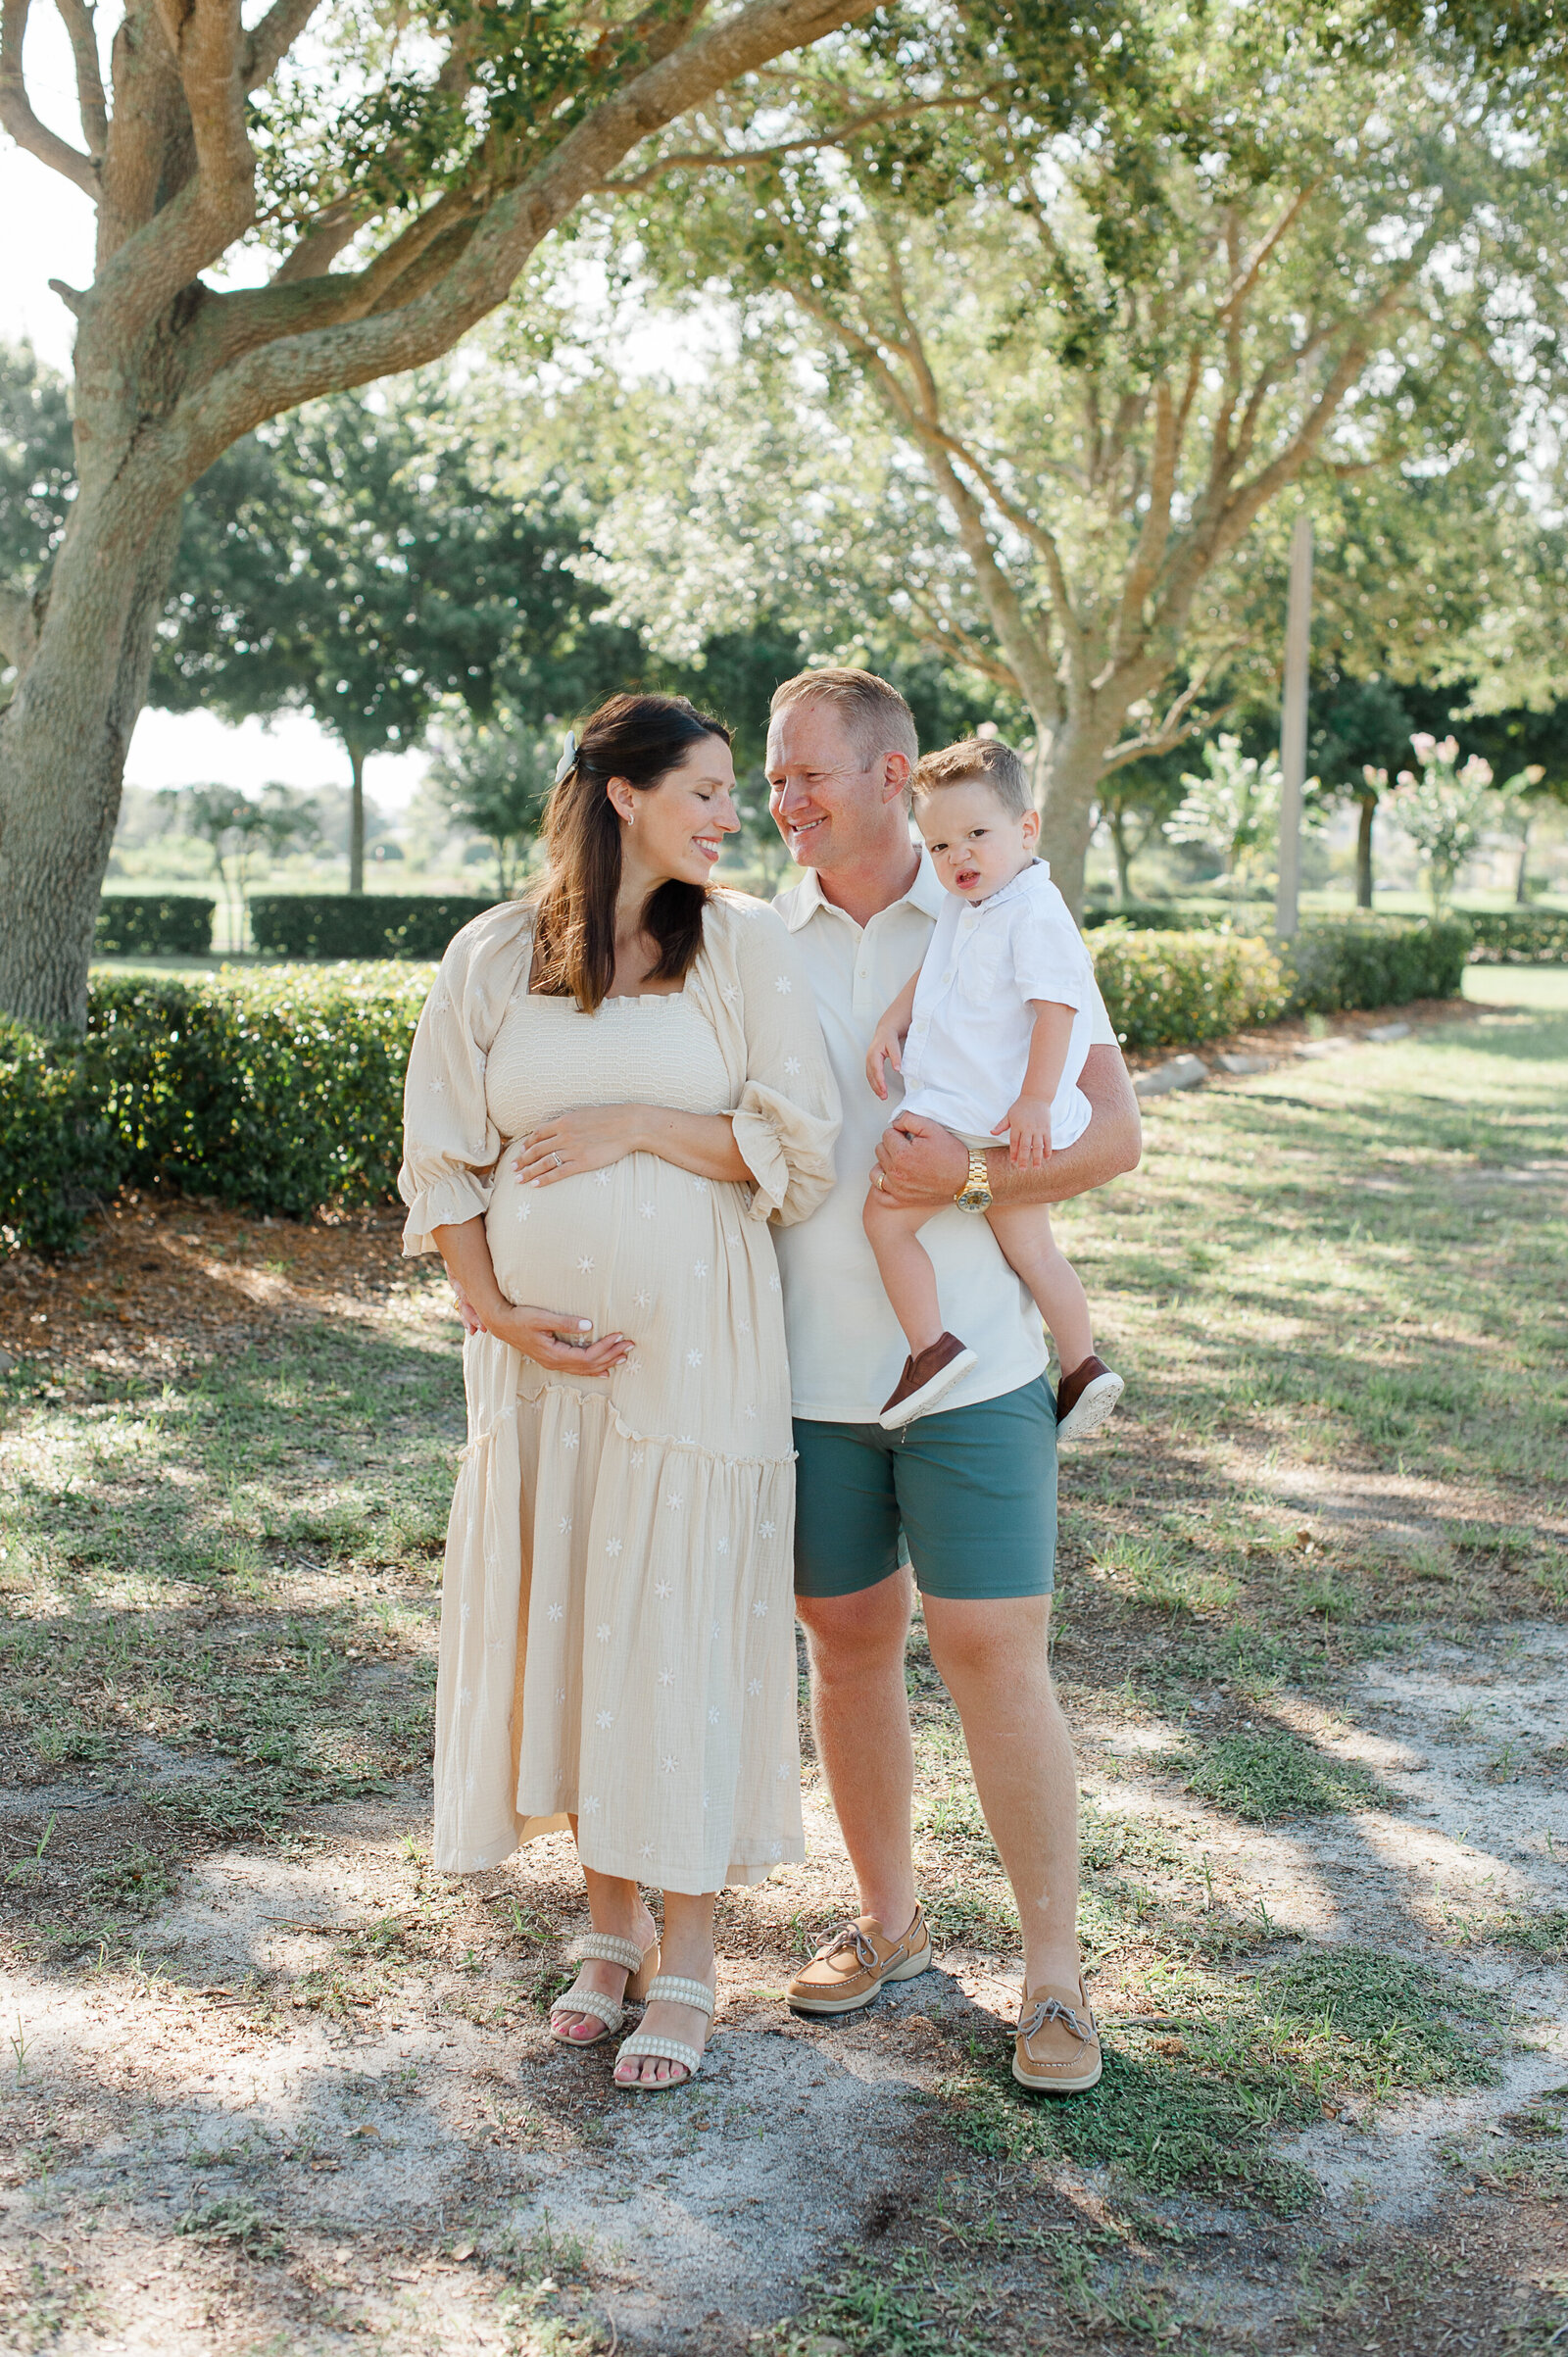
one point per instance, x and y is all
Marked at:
(982, 966)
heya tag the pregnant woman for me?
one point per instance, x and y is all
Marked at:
(614, 1086)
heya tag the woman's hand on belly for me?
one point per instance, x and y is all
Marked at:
(587, 1138)
(556, 1340)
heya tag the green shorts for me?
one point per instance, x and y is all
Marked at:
(973, 1490)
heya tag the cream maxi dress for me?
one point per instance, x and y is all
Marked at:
(617, 1617)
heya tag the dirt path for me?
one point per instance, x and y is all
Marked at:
(270, 2085)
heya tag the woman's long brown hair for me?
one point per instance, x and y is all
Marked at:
(640, 738)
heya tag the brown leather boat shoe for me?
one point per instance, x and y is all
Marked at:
(847, 1974)
(925, 1379)
(1086, 1398)
(1056, 2047)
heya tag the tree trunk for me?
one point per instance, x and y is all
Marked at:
(64, 737)
(1116, 823)
(1367, 806)
(1520, 896)
(356, 822)
(1067, 811)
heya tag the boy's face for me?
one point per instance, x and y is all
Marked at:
(976, 846)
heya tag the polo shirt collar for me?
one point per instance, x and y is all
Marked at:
(807, 896)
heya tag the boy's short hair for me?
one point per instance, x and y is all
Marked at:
(986, 758)
(873, 712)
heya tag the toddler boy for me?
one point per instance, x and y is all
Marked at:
(990, 1036)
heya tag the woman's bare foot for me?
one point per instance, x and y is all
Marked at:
(627, 1921)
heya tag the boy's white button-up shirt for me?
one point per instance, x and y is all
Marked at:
(968, 1045)
(847, 1350)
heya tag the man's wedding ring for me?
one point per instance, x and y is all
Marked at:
(877, 1182)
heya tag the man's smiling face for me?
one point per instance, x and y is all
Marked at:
(829, 803)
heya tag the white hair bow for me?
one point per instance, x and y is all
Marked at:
(569, 756)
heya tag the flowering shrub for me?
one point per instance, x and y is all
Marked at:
(1443, 809)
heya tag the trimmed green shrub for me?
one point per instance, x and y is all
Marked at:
(149, 924)
(1375, 961)
(1172, 990)
(360, 925)
(58, 1150)
(1155, 916)
(1519, 936)
(281, 1090)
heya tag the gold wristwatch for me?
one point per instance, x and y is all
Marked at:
(976, 1193)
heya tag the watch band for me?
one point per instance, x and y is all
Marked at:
(976, 1193)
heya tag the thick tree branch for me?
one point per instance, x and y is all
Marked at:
(16, 108)
(275, 36)
(91, 105)
(332, 358)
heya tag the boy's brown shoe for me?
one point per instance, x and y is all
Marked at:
(847, 1974)
(1086, 1398)
(1056, 2048)
(924, 1380)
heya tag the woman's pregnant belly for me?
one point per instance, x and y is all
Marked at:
(673, 1262)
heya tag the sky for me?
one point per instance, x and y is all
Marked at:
(46, 231)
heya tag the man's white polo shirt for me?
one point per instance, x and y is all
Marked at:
(846, 1348)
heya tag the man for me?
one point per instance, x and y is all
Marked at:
(972, 1484)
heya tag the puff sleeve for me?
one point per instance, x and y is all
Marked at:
(788, 1115)
(449, 1144)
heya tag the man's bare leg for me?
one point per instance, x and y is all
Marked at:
(990, 1656)
(860, 1714)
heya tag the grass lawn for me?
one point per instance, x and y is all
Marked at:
(275, 2086)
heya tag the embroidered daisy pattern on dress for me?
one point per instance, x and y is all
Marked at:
(700, 1364)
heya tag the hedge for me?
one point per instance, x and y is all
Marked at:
(149, 924)
(283, 1089)
(1519, 936)
(1375, 961)
(59, 1149)
(360, 925)
(1154, 917)
(1174, 989)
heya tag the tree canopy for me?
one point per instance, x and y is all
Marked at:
(393, 169)
(1082, 352)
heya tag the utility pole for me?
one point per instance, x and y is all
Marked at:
(1293, 728)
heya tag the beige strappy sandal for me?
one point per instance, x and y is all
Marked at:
(673, 1992)
(605, 1947)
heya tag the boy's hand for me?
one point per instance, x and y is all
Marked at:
(1027, 1124)
(886, 1047)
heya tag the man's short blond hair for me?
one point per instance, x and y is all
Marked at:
(874, 715)
(986, 758)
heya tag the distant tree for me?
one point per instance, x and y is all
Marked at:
(358, 562)
(237, 828)
(494, 777)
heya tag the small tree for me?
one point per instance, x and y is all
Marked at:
(1442, 807)
(1519, 807)
(236, 829)
(494, 777)
(1235, 805)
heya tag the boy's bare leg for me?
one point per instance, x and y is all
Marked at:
(1023, 1230)
(904, 1266)
(992, 1658)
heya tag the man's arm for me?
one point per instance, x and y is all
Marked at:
(924, 1163)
